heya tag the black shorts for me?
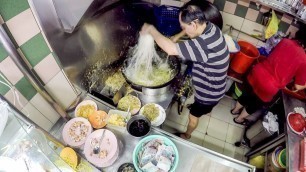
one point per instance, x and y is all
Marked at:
(197, 109)
(250, 100)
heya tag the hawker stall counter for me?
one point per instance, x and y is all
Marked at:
(189, 154)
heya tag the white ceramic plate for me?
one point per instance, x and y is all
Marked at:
(161, 117)
(85, 102)
(66, 136)
(109, 143)
(133, 111)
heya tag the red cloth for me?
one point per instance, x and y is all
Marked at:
(286, 62)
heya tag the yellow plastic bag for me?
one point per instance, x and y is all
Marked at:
(272, 26)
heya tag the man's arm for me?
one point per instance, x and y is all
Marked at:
(176, 37)
(163, 42)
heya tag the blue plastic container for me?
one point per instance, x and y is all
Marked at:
(167, 20)
(141, 143)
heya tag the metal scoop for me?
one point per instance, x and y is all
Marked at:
(96, 149)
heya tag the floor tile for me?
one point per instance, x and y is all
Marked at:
(61, 90)
(43, 107)
(234, 134)
(31, 112)
(9, 9)
(219, 4)
(217, 129)
(22, 100)
(23, 26)
(203, 124)
(197, 138)
(221, 112)
(227, 101)
(47, 68)
(233, 123)
(233, 151)
(175, 117)
(35, 49)
(177, 127)
(25, 88)
(213, 144)
(10, 70)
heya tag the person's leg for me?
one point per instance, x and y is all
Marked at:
(237, 108)
(192, 125)
(242, 115)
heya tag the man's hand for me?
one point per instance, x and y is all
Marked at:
(146, 29)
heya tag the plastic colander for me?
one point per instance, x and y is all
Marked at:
(167, 142)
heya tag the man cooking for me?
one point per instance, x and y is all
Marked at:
(207, 50)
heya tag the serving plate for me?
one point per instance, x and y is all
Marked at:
(83, 103)
(65, 132)
(160, 118)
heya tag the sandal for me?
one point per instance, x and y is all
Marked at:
(179, 135)
(245, 122)
(237, 113)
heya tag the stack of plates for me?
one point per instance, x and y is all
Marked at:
(279, 158)
(109, 145)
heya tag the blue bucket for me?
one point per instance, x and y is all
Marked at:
(167, 20)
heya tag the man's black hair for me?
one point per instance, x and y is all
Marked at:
(211, 12)
(191, 12)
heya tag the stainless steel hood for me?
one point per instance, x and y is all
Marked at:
(91, 45)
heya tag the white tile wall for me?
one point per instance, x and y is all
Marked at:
(252, 14)
(23, 26)
(10, 97)
(172, 3)
(247, 38)
(292, 30)
(42, 106)
(249, 26)
(10, 70)
(1, 20)
(31, 112)
(230, 19)
(47, 68)
(61, 90)
(217, 129)
(213, 144)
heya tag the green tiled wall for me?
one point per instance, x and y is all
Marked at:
(35, 49)
(241, 11)
(11, 8)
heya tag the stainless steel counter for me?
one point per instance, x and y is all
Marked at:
(187, 150)
(292, 139)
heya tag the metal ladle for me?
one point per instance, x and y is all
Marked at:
(96, 149)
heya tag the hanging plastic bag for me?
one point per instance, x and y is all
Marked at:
(3, 115)
(272, 26)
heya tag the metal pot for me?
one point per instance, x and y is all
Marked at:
(158, 89)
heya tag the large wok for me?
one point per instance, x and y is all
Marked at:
(173, 63)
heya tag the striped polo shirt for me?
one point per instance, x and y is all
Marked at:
(210, 56)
